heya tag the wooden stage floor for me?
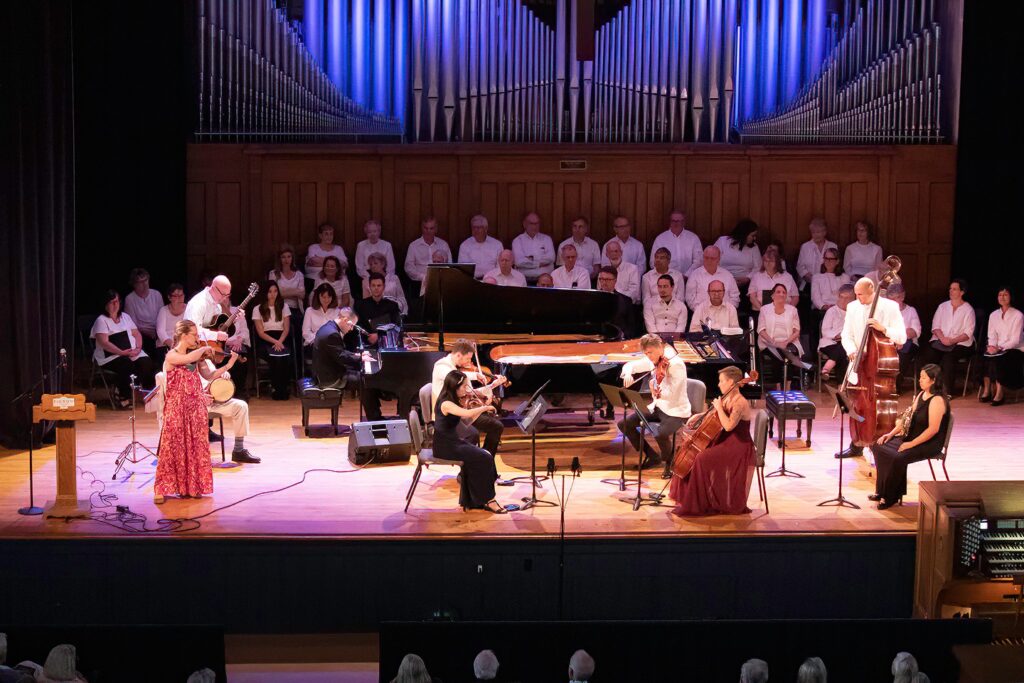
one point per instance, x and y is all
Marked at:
(367, 503)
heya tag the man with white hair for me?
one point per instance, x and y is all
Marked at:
(588, 253)
(581, 666)
(628, 279)
(684, 245)
(534, 251)
(754, 671)
(479, 248)
(204, 308)
(569, 275)
(485, 666)
(505, 275)
(699, 278)
(632, 248)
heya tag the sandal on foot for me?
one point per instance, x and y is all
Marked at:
(158, 500)
(493, 506)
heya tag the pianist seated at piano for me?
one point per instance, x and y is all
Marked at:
(627, 280)
(545, 281)
(377, 309)
(332, 362)
(778, 329)
(505, 275)
(461, 358)
(662, 266)
(716, 313)
(377, 263)
(569, 275)
(666, 314)
(624, 317)
(324, 309)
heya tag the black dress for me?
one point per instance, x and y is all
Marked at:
(478, 469)
(891, 465)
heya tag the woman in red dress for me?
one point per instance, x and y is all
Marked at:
(719, 482)
(183, 466)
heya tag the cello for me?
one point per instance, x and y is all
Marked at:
(707, 432)
(870, 382)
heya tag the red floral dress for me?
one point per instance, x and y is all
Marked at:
(184, 452)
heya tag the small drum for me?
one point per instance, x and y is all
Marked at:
(222, 389)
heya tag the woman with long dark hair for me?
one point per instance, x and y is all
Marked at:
(740, 253)
(272, 318)
(925, 437)
(1004, 353)
(119, 347)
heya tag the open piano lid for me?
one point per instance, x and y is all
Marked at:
(472, 306)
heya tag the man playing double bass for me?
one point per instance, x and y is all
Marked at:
(887, 319)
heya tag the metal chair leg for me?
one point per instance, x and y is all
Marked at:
(934, 478)
(412, 485)
(944, 470)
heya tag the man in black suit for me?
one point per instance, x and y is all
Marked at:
(624, 318)
(332, 361)
(376, 310)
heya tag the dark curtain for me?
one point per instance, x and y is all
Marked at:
(37, 203)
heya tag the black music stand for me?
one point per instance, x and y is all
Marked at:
(786, 357)
(843, 403)
(617, 399)
(528, 417)
(130, 453)
(636, 401)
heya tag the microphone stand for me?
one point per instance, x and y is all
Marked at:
(782, 471)
(32, 509)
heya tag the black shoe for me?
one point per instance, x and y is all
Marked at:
(244, 456)
(885, 505)
(650, 459)
(609, 412)
(215, 437)
(997, 402)
(984, 399)
(850, 452)
(874, 497)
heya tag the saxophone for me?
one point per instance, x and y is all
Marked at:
(904, 421)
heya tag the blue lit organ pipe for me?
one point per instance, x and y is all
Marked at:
(792, 24)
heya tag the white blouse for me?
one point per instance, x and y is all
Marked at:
(825, 288)
(742, 262)
(315, 250)
(392, 290)
(954, 323)
(105, 325)
(293, 288)
(911, 321)
(1005, 331)
(832, 327)
(313, 320)
(860, 259)
(761, 282)
(273, 324)
(165, 322)
(484, 254)
(144, 311)
(340, 288)
(778, 326)
(364, 249)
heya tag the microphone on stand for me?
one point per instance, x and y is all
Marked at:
(360, 330)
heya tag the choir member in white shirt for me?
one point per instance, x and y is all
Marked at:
(763, 281)
(569, 275)
(437, 257)
(863, 255)
(323, 309)
(825, 285)
(533, 250)
(716, 312)
(812, 252)
(670, 407)
(119, 347)
(778, 327)
(588, 253)
(143, 305)
(830, 344)
(698, 279)
(740, 253)
(331, 273)
(952, 333)
(911, 322)
(545, 281)
(628, 279)
(375, 263)
(422, 252)
(632, 248)
(649, 282)
(373, 244)
(665, 314)
(204, 308)
(272, 320)
(684, 245)
(479, 248)
(505, 275)
(317, 252)
(166, 319)
(624, 317)
(290, 281)
(1004, 353)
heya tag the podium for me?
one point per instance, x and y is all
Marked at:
(66, 410)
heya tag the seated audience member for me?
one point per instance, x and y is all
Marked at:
(740, 253)
(698, 279)
(143, 305)
(765, 279)
(904, 668)
(581, 666)
(412, 670)
(649, 281)
(716, 312)
(319, 251)
(825, 285)
(376, 263)
(778, 327)
(202, 676)
(373, 244)
(776, 245)
(754, 671)
(624, 318)
(323, 310)
(862, 255)
(534, 251)
(952, 336)
(485, 666)
(60, 666)
(628, 276)
(377, 309)
(505, 275)
(332, 361)
(588, 253)
(426, 249)
(911, 321)
(273, 320)
(7, 674)
(1004, 353)
(812, 671)
(119, 347)
(831, 343)
(569, 275)
(292, 284)
(479, 248)
(666, 314)
(632, 248)
(331, 273)
(812, 252)
(685, 245)
(545, 281)
(168, 316)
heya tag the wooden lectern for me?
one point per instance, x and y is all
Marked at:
(65, 410)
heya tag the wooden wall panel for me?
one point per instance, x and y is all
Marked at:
(241, 201)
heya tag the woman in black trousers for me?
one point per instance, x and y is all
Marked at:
(478, 470)
(925, 438)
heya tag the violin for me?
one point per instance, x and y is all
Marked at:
(709, 428)
(484, 394)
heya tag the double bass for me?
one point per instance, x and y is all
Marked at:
(706, 433)
(870, 382)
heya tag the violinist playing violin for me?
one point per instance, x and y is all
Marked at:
(461, 358)
(718, 482)
(670, 406)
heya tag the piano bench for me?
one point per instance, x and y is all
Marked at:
(794, 406)
(315, 398)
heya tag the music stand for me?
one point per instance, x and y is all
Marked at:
(528, 417)
(843, 403)
(616, 399)
(637, 402)
(130, 453)
(786, 357)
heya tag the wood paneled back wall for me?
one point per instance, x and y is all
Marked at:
(244, 200)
